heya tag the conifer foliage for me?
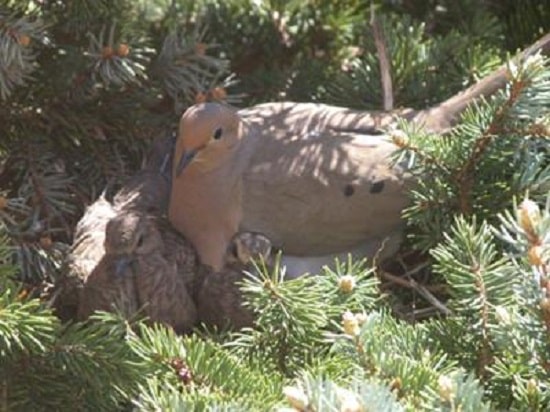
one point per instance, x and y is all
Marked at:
(85, 87)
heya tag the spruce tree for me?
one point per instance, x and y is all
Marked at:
(87, 85)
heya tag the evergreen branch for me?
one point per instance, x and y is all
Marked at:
(412, 360)
(480, 157)
(158, 394)
(25, 325)
(312, 394)
(186, 70)
(93, 360)
(478, 280)
(288, 304)
(117, 64)
(17, 52)
(458, 391)
(424, 157)
(221, 372)
(485, 355)
(465, 176)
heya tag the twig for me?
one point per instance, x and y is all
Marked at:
(422, 290)
(426, 294)
(396, 279)
(418, 314)
(383, 59)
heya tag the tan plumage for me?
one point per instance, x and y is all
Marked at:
(311, 188)
(205, 203)
(147, 266)
(306, 118)
(161, 277)
(314, 189)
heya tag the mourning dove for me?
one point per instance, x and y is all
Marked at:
(319, 182)
(147, 266)
(311, 192)
(219, 299)
(211, 154)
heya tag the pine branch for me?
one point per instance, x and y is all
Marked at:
(115, 62)
(465, 176)
(18, 35)
(395, 353)
(317, 394)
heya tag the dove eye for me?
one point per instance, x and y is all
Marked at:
(217, 133)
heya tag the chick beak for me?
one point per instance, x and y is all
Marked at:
(185, 159)
(122, 264)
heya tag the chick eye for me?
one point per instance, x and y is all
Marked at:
(217, 133)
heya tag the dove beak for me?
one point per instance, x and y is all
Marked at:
(185, 159)
(121, 264)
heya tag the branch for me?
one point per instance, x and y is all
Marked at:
(383, 59)
(465, 177)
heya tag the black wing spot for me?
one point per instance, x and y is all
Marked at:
(377, 187)
(349, 190)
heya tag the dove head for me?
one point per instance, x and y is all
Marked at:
(127, 237)
(209, 135)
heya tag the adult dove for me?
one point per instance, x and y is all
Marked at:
(317, 179)
(147, 267)
(313, 193)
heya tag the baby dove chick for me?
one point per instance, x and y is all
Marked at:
(248, 246)
(85, 252)
(219, 300)
(212, 151)
(147, 266)
(147, 191)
